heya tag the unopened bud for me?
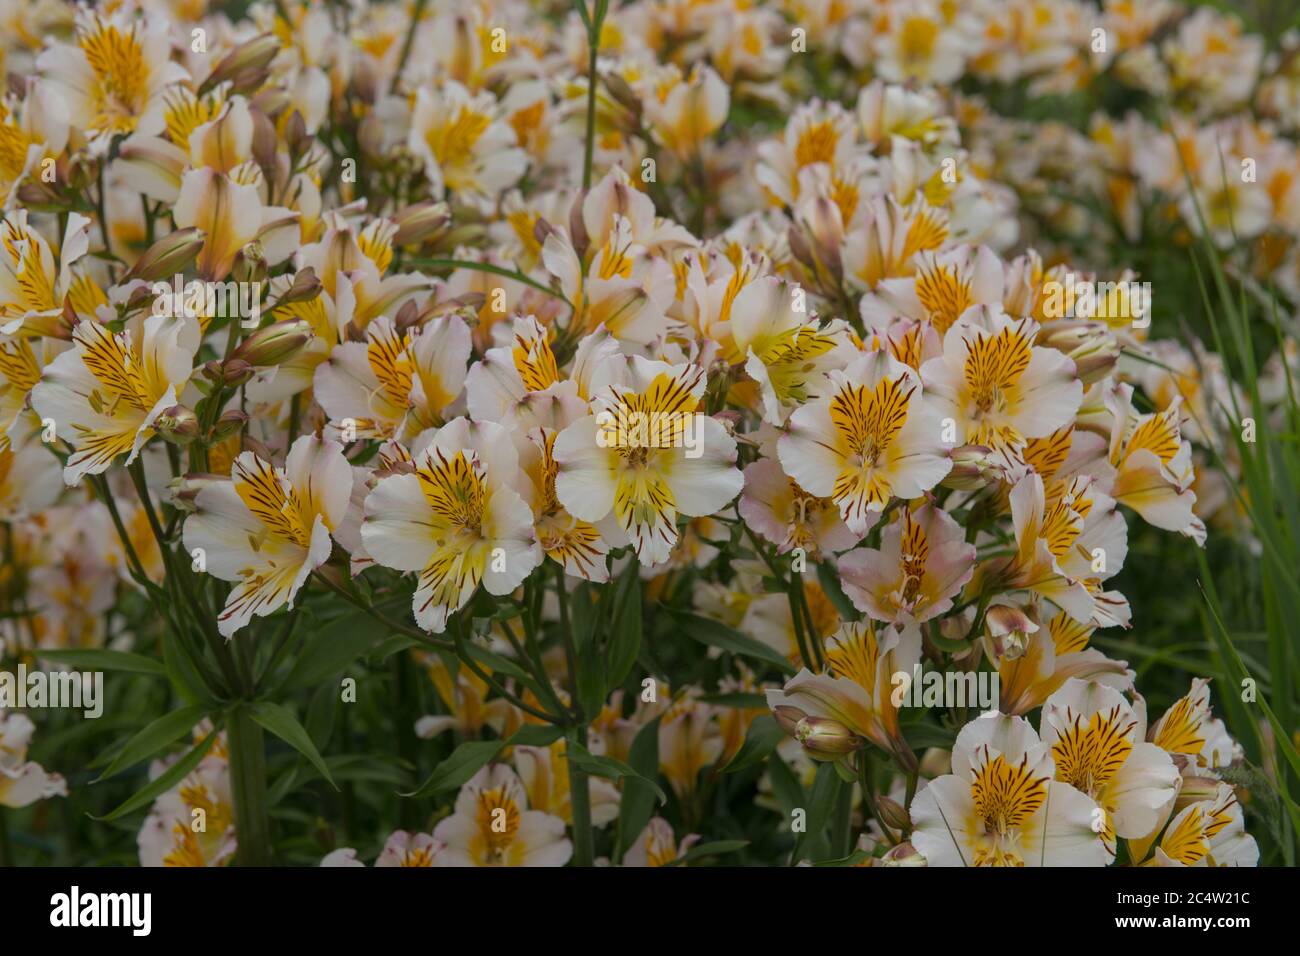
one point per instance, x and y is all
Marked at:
(250, 263)
(243, 64)
(230, 423)
(973, 467)
(177, 424)
(169, 256)
(418, 222)
(903, 855)
(1090, 344)
(893, 813)
(824, 738)
(273, 344)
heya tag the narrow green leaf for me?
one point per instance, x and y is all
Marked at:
(164, 781)
(280, 721)
(607, 767)
(760, 741)
(463, 762)
(99, 659)
(164, 731)
(638, 802)
(716, 634)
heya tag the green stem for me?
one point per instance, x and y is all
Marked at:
(248, 786)
(580, 805)
(6, 848)
(841, 833)
(593, 45)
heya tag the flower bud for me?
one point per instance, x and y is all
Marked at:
(243, 64)
(230, 423)
(1194, 789)
(169, 256)
(1006, 632)
(824, 738)
(973, 467)
(182, 491)
(1090, 344)
(418, 222)
(305, 287)
(231, 373)
(273, 344)
(903, 855)
(177, 424)
(250, 263)
(893, 813)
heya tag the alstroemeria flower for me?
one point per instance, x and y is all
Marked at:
(465, 695)
(1208, 833)
(457, 520)
(492, 826)
(351, 264)
(858, 688)
(394, 384)
(774, 505)
(23, 782)
(107, 391)
(466, 147)
(268, 528)
(1065, 548)
(231, 215)
(1002, 806)
(32, 129)
(574, 543)
(1098, 750)
(169, 837)
(657, 846)
(522, 384)
(941, 285)
(817, 133)
(922, 562)
(34, 287)
(786, 354)
(869, 439)
(1189, 730)
(885, 246)
(997, 386)
(684, 114)
(647, 455)
(544, 772)
(113, 76)
(1052, 655)
(406, 849)
(29, 474)
(1153, 465)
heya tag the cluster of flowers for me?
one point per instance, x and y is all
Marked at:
(340, 313)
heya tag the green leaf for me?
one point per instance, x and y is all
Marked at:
(164, 781)
(716, 634)
(607, 767)
(760, 741)
(715, 848)
(625, 632)
(281, 722)
(463, 762)
(98, 659)
(331, 648)
(637, 804)
(826, 788)
(162, 732)
(922, 735)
